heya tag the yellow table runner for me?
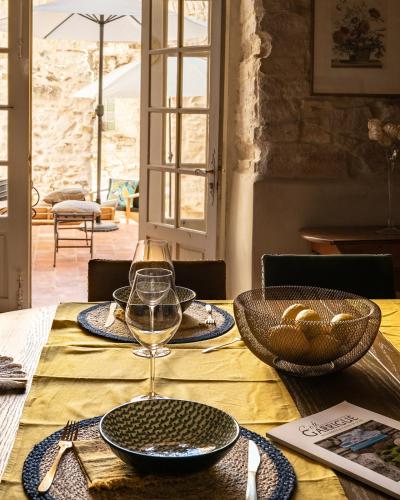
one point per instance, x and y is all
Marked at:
(81, 376)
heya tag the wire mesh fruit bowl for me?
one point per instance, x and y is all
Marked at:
(306, 331)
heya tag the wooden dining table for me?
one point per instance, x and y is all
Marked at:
(74, 375)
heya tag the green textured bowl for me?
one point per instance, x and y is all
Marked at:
(169, 435)
(185, 296)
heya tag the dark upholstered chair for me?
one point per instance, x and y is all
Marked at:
(368, 275)
(206, 277)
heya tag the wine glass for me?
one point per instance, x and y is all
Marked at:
(153, 314)
(151, 253)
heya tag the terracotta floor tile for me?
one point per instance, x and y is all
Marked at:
(68, 280)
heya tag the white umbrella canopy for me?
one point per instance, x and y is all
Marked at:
(68, 20)
(80, 19)
(124, 82)
(97, 7)
(61, 26)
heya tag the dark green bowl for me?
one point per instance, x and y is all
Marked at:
(169, 435)
(185, 296)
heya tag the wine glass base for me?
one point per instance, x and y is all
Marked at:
(160, 352)
(147, 397)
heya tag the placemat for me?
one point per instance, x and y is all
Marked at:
(192, 328)
(227, 479)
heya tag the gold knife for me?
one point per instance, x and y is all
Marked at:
(111, 317)
(252, 467)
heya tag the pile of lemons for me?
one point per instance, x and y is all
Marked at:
(304, 337)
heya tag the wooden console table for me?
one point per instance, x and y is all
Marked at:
(352, 240)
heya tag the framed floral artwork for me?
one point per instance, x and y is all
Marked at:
(356, 47)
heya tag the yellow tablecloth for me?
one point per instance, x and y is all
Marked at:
(81, 376)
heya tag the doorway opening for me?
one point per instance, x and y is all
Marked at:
(66, 68)
(73, 111)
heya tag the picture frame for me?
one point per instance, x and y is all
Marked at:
(355, 47)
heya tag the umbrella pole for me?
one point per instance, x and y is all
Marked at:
(100, 112)
(99, 226)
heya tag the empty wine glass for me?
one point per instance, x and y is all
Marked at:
(153, 314)
(151, 253)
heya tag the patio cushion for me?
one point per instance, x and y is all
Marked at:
(65, 194)
(120, 188)
(76, 207)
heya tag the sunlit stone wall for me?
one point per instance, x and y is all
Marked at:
(65, 127)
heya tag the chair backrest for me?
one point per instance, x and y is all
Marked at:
(206, 277)
(120, 189)
(368, 275)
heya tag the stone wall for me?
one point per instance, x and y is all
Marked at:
(291, 146)
(301, 135)
(64, 127)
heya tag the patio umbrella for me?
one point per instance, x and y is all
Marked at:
(124, 82)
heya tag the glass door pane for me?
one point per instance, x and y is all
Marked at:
(3, 135)
(193, 202)
(3, 191)
(161, 189)
(163, 81)
(164, 24)
(162, 143)
(196, 25)
(195, 88)
(3, 79)
(3, 23)
(194, 131)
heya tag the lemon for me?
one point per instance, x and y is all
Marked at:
(288, 342)
(308, 315)
(339, 328)
(324, 349)
(341, 317)
(290, 313)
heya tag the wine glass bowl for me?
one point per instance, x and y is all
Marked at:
(153, 328)
(152, 291)
(151, 254)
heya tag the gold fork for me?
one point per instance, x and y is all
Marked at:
(70, 433)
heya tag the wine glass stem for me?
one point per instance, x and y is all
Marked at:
(152, 318)
(152, 373)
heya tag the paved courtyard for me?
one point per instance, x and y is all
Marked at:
(68, 280)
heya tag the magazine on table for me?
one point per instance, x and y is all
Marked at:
(350, 439)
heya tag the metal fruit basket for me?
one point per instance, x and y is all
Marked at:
(334, 330)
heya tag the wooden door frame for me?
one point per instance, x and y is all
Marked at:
(17, 224)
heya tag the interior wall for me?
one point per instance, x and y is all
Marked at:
(310, 158)
(284, 206)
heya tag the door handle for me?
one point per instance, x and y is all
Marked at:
(213, 181)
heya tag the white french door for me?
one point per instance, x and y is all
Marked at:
(180, 102)
(15, 183)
